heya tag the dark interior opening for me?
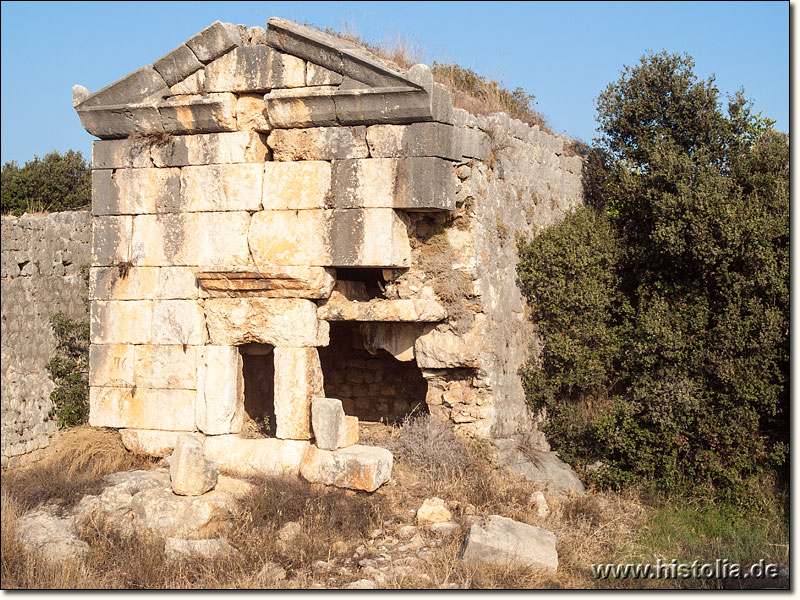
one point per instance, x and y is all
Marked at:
(371, 278)
(258, 370)
(372, 387)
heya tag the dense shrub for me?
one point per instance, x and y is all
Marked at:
(665, 313)
(53, 183)
(69, 369)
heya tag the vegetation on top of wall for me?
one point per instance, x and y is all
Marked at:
(69, 369)
(54, 183)
(477, 94)
(664, 306)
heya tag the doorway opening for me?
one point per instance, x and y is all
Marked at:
(258, 371)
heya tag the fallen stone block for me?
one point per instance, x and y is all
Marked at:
(266, 456)
(190, 473)
(153, 442)
(504, 542)
(166, 514)
(433, 510)
(358, 467)
(179, 548)
(52, 536)
(546, 470)
(328, 423)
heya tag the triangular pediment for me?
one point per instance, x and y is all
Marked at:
(306, 78)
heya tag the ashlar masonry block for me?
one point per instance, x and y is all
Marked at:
(141, 408)
(275, 321)
(255, 68)
(212, 188)
(211, 148)
(191, 239)
(135, 191)
(111, 240)
(111, 365)
(120, 322)
(296, 185)
(318, 143)
(131, 283)
(220, 390)
(298, 379)
(178, 322)
(165, 366)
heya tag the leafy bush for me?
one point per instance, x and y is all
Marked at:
(56, 182)
(665, 314)
(69, 369)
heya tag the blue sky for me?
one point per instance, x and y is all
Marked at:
(563, 52)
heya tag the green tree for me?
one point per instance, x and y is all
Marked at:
(54, 183)
(699, 198)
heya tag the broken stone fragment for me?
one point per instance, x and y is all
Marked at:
(152, 442)
(358, 467)
(51, 535)
(503, 542)
(328, 423)
(433, 510)
(351, 437)
(178, 548)
(191, 474)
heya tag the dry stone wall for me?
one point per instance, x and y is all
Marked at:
(44, 262)
(257, 189)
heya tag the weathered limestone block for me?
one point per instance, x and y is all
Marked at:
(177, 65)
(120, 322)
(251, 112)
(396, 338)
(407, 310)
(141, 408)
(51, 535)
(298, 379)
(440, 102)
(351, 435)
(111, 240)
(178, 322)
(417, 139)
(189, 472)
(165, 366)
(215, 40)
(471, 143)
(253, 69)
(165, 514)
(433, 510)
(111, 365)
(381, 105)
(193, 84)
(211, 148)
(265, 456)
(176, 549)
(153, 442)
(307, 107)
(220, 390)
(420, 183)
(437, 349)
(210, 113)
(296, 185)
(318, 143)
(119, 154)
(278, 322)
(212, 188)
(191, 239)
(269, 282)
(108, 283)
(142, 84)
(328, 423)
(502, 542)
(375, 237)
(317, 75)
(176, 283)
(135, 191)
(121, 120)
(288, 237)
(357, 467)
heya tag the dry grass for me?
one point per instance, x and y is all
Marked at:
(429, 461)
(73, 465)
(477, 94)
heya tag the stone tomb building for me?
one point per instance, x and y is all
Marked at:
(279, 215)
